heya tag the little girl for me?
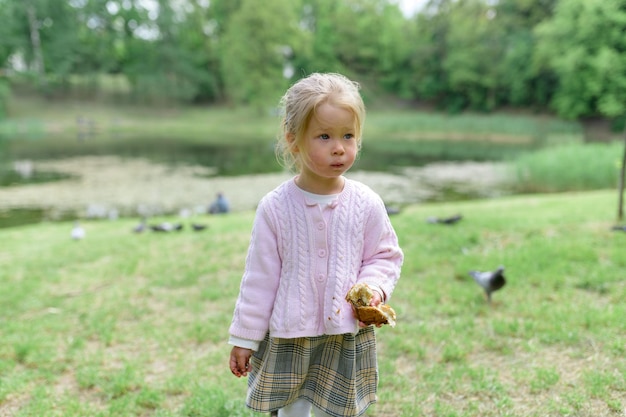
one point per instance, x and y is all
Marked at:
(313, 238)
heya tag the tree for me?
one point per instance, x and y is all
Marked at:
(474, 47)
(376, 45)
(521, 83)
(458, 54)
(317, 51)
(428, 79)
(256, 50)
(584, 44)
(51, 50)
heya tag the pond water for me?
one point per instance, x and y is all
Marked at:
(60, 183)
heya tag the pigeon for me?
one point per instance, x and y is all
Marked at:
(78, 232)
(619, 228)
(166, 227)
(161, 227)
(392, 210)
(490, 281)
(141, 227)
(445, 220)
(198, 227)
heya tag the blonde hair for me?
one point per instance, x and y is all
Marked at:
(300, 103)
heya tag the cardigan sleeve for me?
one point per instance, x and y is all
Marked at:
(382, 255)
(259, 283)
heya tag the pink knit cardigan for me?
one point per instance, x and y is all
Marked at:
(300, 266)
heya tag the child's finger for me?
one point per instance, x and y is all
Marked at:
(234, 368)
(240, 361)
(238, 366)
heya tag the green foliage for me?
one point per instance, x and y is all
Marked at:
(472, 48)
(241, 51)
(472, 54)
(584, 45)
(257, 47)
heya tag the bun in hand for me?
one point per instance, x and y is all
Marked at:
(360, 296)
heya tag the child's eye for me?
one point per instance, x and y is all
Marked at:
(324, 136)
(348, 136)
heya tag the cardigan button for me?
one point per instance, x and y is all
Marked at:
(320, 226)
(321, 253)
(321, 277)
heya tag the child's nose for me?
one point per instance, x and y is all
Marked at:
(338, 148)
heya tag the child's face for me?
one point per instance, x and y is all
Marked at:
(329, 146)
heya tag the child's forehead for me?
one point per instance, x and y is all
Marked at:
(328, 114)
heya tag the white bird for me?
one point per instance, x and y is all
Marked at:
(490, 281)
(78, 232)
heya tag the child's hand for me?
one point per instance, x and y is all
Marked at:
(376, 300)
(240, 361)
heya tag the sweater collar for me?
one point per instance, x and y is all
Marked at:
(298, 195)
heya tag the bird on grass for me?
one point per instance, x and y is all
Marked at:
(198, 227)
(166, 227)
(445, 220)
(490, 281)
(619, 228)
(77, 232)
(162, 227)
(141, 227)
(391, 210)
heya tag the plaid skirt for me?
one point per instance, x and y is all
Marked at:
(336, 373)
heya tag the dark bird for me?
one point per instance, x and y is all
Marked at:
(490, 281)
(161, 227)
(619, 228)
(392, 210)
(445, 220)
(198, 227)
(141, 227)
(166, 227)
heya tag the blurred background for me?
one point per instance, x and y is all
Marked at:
(115, 108)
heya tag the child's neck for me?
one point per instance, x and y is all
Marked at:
(321, 186)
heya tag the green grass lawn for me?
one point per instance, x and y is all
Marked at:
(121, 324)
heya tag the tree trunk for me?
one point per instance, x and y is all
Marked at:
(36, 43)
(620, 208)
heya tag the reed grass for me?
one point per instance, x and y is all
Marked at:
(568, 167)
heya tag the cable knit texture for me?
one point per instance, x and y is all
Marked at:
(300, 263)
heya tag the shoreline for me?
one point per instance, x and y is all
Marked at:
(102, 185)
